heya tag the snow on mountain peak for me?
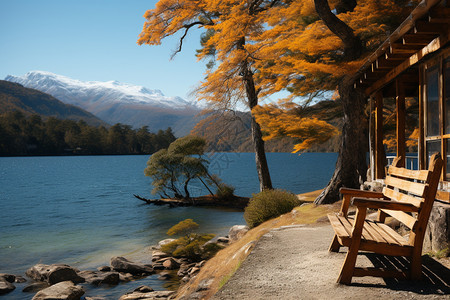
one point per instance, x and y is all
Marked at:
(88, 93)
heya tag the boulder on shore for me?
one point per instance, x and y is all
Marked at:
(98, 277)
(121, 264)
(65, 290)
(6, 286)
(236, 232)
(149, 295)
(54, 273)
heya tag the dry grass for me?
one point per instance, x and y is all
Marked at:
(222, 266)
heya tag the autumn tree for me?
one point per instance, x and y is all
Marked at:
(229, 29)
(319, 45)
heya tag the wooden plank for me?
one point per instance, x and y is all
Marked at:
(418, 39)
(349, 226)
(384, 204)
(403, 217)
(440, 15)
(413, 174)
(412, 187)
(379, 272)
(386, 249)
(401, 197)
(372, 229)
(433, 46)
(392, 233)
(423, 27)
(339, 229)
(404, 48)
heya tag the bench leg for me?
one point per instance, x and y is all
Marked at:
(345, 277)
(335, 245)
(416, 266)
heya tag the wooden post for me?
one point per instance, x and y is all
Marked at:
(379, 148)
(372, 137)
(400, 110)
(421, 144)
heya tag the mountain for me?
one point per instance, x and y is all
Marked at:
(232, 131)
(116, 102)
(14, 96)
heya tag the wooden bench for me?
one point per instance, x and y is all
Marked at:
(408, 196)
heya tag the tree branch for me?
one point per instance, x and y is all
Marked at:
(187, 27)
(352, 43)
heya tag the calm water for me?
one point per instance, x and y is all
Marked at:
(81, 210)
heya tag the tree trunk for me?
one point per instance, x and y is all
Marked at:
(265, 183)
(351, 165)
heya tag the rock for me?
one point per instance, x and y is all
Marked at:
(157, 255)
(65, 290)
(6, 286)
(20, 279)
(158, 266)
(54, 273)
(184, 270)
(437, 235)
(164, 276)
(125, 277)
(149, 295)
(144, 289)
(236, 232)
(104, 269)
(122, 264)
(8, 277)
(204, 284)
(200, 264)
(35, 287)
(223, 240)
(98, 277)
(95, 298)
(171, 264)
(193, 270)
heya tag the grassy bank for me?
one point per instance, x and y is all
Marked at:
(221, 267)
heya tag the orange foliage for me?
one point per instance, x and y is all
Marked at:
(285, 45)
(276, 122)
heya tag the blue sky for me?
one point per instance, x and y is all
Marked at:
(93, 40)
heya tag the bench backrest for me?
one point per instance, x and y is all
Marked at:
(417, 188)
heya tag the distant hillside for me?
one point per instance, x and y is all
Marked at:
(14, 96)
(231, 132)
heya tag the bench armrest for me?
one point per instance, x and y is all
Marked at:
(360, 193)
(383, 204)
(348, 194)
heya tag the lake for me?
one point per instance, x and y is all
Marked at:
(80, 210)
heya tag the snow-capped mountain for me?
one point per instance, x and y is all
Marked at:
(88, 93)
(116, 102)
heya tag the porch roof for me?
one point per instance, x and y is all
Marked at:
(425, 31)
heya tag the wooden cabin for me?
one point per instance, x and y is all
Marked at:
(413, 63)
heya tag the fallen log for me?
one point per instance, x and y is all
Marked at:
(235, 202)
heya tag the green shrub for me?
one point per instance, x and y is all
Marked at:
(225, 192)
(190, 245)
(269, 204)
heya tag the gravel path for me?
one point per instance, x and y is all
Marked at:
(294, 263)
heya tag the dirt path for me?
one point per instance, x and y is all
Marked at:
(294, 263)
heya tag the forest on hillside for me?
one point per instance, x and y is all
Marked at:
(32, 135)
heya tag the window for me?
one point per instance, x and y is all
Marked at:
(437, 111)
